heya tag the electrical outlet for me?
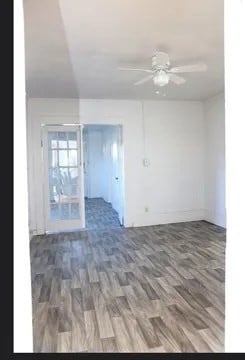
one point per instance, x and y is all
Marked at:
(146, 209)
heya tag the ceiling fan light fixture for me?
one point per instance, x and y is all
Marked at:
(161, 79)
(162, 72)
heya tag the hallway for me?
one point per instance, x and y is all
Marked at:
(99, 214)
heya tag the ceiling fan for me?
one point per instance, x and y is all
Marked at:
(161, 71)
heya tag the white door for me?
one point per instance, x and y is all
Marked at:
(117, 193)
(64, 207)
(86, 166)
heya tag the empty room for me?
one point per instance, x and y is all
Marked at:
(125, 128)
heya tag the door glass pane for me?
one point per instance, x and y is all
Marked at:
(53, 177)
(65, 211)
(72, 140)
(66, 187)
(52, 139)
(73, 157)
(53, 194)
(63, 158)
(62, 140)
(64, 176)
(75, 211)
(74, 190)
(73, 175)
(53, 158)
(54, 211)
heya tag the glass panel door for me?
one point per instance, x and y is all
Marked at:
(62, 152)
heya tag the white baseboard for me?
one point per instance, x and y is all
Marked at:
(36, 232)
(216, 217)
(148, 219)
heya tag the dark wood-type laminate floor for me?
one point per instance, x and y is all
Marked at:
(100, 214)
(148, 289)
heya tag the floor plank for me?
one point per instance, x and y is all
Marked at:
(149, 289)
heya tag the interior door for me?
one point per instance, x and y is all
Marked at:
(117, 193)
(63, 178)
(86, 166)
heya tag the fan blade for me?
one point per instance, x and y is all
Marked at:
(145, 79)
(176, 79)
(188, 68)
(135, 69)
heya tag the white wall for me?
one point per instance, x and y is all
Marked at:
(214, 111)
(94, 168)
(23, 332)
(176, 193)
(235, 189)
(171, 188)
(174, 181)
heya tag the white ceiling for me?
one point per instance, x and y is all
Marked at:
(73, 47)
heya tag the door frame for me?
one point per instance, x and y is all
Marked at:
(67, 223)
(121, 155)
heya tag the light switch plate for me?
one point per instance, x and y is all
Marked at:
(146, 162)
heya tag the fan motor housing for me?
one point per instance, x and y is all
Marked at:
(159, 61)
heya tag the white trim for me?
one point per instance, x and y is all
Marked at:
(49, 118)
(148, 219)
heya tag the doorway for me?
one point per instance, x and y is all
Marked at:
(103, 176)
